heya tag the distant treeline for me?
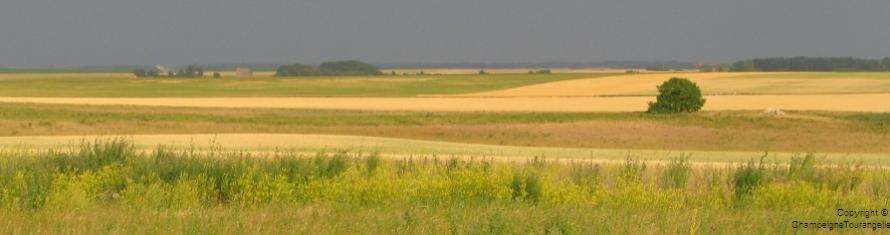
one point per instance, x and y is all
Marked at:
(186, 72)
(661, 65)
(64, 70)
(649, 65)
(335, 68)
(812, 64)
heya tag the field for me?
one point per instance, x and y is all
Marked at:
(711, 84)
(447, 152)
(562, 92)
(847, 102)
(263, 85)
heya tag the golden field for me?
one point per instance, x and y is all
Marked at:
(834, 102)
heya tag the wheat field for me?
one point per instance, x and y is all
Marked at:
(838, 102)
(711, 83)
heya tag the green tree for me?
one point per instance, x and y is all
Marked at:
(677, 95)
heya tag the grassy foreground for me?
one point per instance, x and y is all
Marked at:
(108, 186)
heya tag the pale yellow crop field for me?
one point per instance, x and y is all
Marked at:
(839, 102)
(405, 148)
(710, 83)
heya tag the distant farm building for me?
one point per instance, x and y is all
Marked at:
(243, 72)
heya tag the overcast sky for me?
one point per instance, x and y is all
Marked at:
(175, 32)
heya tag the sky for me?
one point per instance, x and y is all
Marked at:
(176, 32)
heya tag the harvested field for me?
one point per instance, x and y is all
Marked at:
(713, 131)
(711, 84)
(851, 103)
(404, 148)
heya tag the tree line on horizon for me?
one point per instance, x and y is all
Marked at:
(334, 68)
(186, 72)
(816, 64)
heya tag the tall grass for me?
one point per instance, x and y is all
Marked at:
(410, 195)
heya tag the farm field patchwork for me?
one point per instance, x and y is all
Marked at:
(468, 153)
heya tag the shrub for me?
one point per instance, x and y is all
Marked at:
(677, 95)
(526, 188)
(747, 179)
(631, 172)
(533, 187)
(372, 162)
(677, 173)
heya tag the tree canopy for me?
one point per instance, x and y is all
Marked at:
(677, 95)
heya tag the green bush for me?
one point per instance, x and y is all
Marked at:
(677, 95)
(527, 188)
(677, 173)
(747, 179)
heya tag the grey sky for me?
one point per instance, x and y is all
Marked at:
(125, 32)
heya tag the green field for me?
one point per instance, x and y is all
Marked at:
(125, 85)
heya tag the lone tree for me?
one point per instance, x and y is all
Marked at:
(677, 95)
